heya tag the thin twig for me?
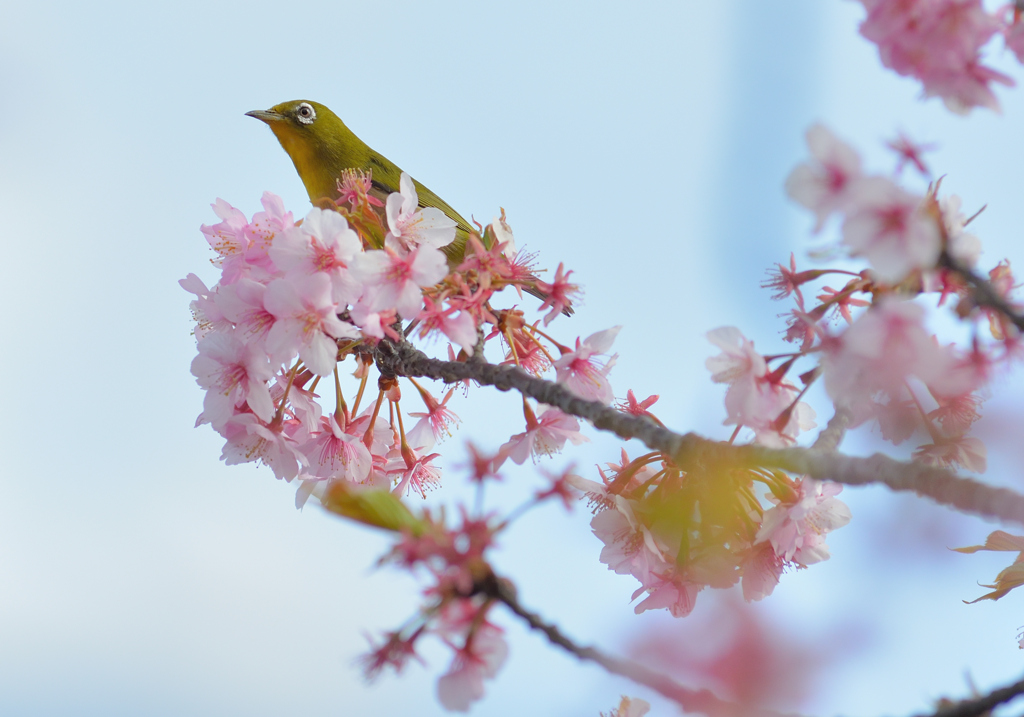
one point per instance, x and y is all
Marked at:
(982, 291)
(829, 439)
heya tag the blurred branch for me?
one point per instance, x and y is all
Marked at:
(982, 291)
(830, 438)
(691, 452)
(689, 700)
(980, 705)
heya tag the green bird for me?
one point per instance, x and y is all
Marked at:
(322, 146)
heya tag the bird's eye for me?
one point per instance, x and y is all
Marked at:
(306, 113)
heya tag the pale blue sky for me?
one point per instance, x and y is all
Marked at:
(644, 146)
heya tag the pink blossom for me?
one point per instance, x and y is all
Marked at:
(756, 398)
(1014, 38)
(414, 226)
(413, 471)
(638, 408)
(939, 42)
(264, 228)
(582, 374)
(910, 152)
(797, 529)
(738, 359)
(242, 303)
(436, 422)
(337, 455)
(824, 185)
(324, 243)
(460, 328)
(248, 439)
(484, 653)
(306, 322)
(892, 228)
(967, 452)
(228, 239)
(559, 294)
(235, 375)
(395, 281)
(762, 569)
(879, 352)
(543, 437)
(629, 547)
(630, 707)
(673, 592)
(205, 309)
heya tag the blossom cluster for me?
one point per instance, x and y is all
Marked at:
(678, 533)
(940, 42)
(886, 366)
(296, 298)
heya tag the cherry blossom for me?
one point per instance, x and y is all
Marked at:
(582, 374)
(825, 185)
(543, 437)
(797, 529)
(891, 228)
(334, 454)
(879, 352)
(395, 281)
(411, 225)
(307, 322)
(939, 42)
(482, 656)
(559, 294)
(324, 243)
(235, 375)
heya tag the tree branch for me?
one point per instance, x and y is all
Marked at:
(692, 452)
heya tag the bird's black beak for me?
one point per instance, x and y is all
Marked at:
(267, 116)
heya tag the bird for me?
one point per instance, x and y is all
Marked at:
(321, 147)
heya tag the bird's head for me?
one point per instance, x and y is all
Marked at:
(315, 138)
(300, 122)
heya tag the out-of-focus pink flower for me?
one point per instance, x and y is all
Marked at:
(891, 228)
(878, 353)
(582, 374)
(965, 451)
(939, 42)
(823, 185)
(756, 398)
(482, 655)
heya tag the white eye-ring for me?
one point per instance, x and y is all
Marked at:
(305, 113)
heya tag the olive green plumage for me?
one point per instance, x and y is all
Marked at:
(322, 146)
